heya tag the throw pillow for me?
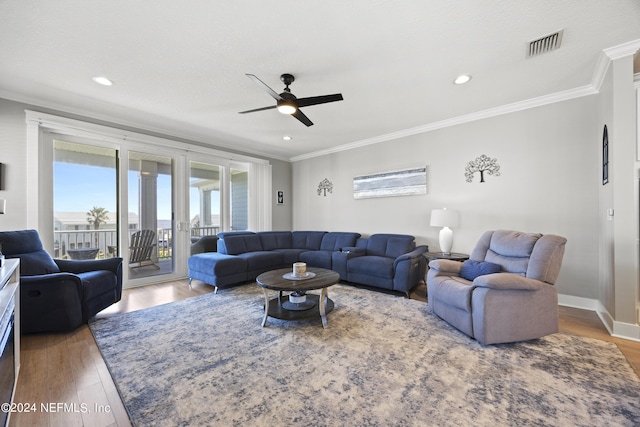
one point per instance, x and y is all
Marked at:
(472, 269)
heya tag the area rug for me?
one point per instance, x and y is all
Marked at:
(384, 360)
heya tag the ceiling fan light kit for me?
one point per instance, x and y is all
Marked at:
(286, 107)
(287, 103)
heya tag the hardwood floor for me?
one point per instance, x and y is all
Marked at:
(65, 381)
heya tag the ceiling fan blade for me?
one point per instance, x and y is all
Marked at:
(315, 100)
(304, 119)
(257, 109)
(264, 86)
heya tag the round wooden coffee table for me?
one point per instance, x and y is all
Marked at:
(302, 304)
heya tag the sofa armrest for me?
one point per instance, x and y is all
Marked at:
(446, 267)
(83, 266)
(113, 265)
(418, 251)
(508, 281)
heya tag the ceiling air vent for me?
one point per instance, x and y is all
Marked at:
(544, 44)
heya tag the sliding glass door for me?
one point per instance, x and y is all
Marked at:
(204, 199)
(85, 200)
(150, 219)
(102, 192)
(219, 197)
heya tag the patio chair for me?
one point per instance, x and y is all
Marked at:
(141, 249)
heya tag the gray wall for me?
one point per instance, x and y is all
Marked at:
(281, 181)
(13, 156)
(550, 176)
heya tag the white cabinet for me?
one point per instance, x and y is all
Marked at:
(9, 327)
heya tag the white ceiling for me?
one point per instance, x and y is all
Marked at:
(179, 67)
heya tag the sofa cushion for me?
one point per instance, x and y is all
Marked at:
(513, 244)
(20, 242)
(26, 245)
(371, 265)
(216, 263)
(222, 248)
(389, 245)
(320, 259)
(36, 263)
(334, 241)
(275, 240)
(397, 246)
(472, 269)
(289, 256)
(95, 283)
(307, 239)
(262, 260)
(453, 291)
(236, 245)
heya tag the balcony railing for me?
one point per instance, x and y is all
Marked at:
(208, 230)
(103, 243)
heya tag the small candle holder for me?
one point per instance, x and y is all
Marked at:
(299, 269)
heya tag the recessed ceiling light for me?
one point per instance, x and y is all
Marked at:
(287, 138)
(462, 79)
(103, 81)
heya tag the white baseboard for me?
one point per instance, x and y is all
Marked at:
(616, 329)
(578, 302)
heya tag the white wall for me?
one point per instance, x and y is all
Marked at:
(550, 175)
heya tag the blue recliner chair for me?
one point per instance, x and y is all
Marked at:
(58, 295)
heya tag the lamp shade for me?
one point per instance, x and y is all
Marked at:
(444, 218)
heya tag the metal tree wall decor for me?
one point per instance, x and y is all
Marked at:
(324, 186)
(482, 164)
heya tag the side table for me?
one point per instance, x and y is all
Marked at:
(453, 256)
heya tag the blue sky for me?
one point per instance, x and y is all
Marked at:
(78, 188)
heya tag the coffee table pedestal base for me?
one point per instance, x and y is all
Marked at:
(277, 307)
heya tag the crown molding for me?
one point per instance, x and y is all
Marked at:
(611, 54)
(607, 55)
(622, 50)
(59, 110)
(81, 128)
(485, 114)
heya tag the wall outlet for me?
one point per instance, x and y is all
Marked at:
(3, 206)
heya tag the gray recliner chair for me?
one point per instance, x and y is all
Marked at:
(505, 292)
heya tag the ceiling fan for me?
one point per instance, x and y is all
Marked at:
(287, 103)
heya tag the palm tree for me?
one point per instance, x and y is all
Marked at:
(97, 216)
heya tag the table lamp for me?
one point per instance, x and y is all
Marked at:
(445, 218)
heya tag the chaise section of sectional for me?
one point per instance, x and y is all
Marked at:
(217, 269)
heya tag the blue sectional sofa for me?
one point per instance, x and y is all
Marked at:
(386, 261)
